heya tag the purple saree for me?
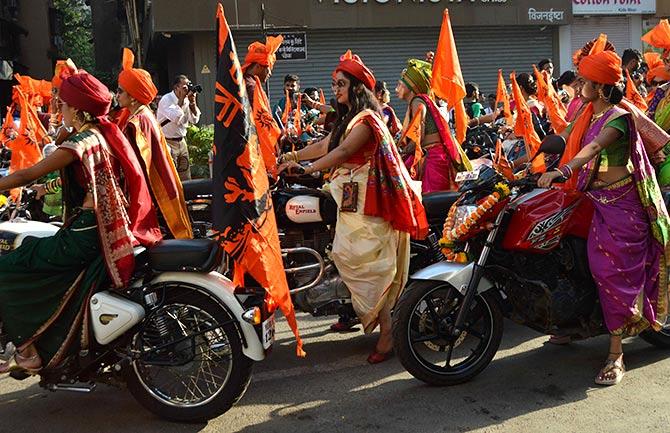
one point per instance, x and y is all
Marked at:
(628, 239)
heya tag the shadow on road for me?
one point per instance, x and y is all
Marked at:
(334, 389)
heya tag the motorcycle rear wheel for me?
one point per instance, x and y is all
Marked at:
(200, 372)
(660, 339)
(423, 344)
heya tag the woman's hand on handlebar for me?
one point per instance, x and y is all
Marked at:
(548, 178)
(40, 190)
(291, 167)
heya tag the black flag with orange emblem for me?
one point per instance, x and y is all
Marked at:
(242, 207)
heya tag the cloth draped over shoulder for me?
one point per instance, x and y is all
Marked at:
(144, 133)
(86, 93)
(389, 194)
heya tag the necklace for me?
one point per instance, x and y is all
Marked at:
(601, 113)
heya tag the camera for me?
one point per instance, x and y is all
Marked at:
(194, 88)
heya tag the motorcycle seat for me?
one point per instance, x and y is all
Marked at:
(197, 188)
(437, 203)
(185, 255)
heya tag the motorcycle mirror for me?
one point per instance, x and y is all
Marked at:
(551, 145)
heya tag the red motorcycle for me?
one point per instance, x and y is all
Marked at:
(528, 263)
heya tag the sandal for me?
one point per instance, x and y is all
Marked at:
(19, 363)
(349, 326)
(377, 357)
(612, 372)
(559, 340)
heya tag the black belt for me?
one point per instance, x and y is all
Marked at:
(175, 138)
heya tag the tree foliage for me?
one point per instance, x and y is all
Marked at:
(75, 32)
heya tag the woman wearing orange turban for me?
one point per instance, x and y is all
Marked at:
(606, 159)
(136, 90)
(659, 107)
(378, 209)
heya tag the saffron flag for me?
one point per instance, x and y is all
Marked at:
(297, 115)
(413, 132)
(548, 96)
(287, 111)
(524, 126)
(267, 129)
(322, 97)
(633, 95)
(25, 148)
(242, 206)
(501, 163)
(447, 81)
(503, 96)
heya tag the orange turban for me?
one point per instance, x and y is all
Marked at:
(63, 69)
(603, 67)
(353, 65)
(137, 82)
(659, 37)
(263, 54)
(592, 47)
(659, 72)
(652, 60)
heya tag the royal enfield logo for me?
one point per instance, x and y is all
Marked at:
(299, 209)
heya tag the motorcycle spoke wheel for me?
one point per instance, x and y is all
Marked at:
(186, 356)
(430, 337)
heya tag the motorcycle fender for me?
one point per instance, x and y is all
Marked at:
(220, 287)
(456, 274)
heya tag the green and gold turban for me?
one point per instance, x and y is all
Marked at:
(417, 76)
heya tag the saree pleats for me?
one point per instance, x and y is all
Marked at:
(45, 284)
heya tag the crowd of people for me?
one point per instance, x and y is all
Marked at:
(121, 173)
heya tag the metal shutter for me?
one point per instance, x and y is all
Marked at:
(584, 29)
(481, 50)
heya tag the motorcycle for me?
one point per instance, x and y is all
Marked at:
(528, 263)
(306, 219)
(180, 336)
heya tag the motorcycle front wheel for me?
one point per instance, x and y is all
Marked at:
(422, 340)
(189, 365)
(660, 339)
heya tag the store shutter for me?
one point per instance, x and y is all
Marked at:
(617, 29)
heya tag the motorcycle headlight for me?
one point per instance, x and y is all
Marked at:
(462, 213)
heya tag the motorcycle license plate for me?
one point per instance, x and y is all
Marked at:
(462, 176)
(268, 332)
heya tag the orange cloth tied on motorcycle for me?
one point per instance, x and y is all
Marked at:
(63, 69)
(659, 73)
(263, 53)
(603, 67)
(352, 64)
(659, 37)
(137, 82)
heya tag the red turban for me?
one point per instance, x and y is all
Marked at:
(263, 54)
(63, 69)
(137, 82)
(659, 72)
(352, 64)
(84, 92)
(603, 67)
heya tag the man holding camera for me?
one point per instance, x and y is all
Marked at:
(176, 110)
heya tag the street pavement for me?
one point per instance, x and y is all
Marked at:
(530, 387)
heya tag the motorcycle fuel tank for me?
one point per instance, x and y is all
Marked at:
(304, 206)
(543, 217)
(13, 233)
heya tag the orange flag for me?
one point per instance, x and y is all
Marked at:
(524, 126)
(25, 149)
(287, 111)
(548, 96)
(297, 117)
(267, 129)
(413, 132)
(503, 96)
(633, 95)
(322, 97)
(501, 164)
(242, 207)
(447, 81)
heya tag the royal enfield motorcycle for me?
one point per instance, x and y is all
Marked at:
(525, 259)
(181, 337)
(306, 219)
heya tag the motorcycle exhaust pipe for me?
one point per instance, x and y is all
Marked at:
(84, 389)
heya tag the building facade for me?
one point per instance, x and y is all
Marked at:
(490, 34)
